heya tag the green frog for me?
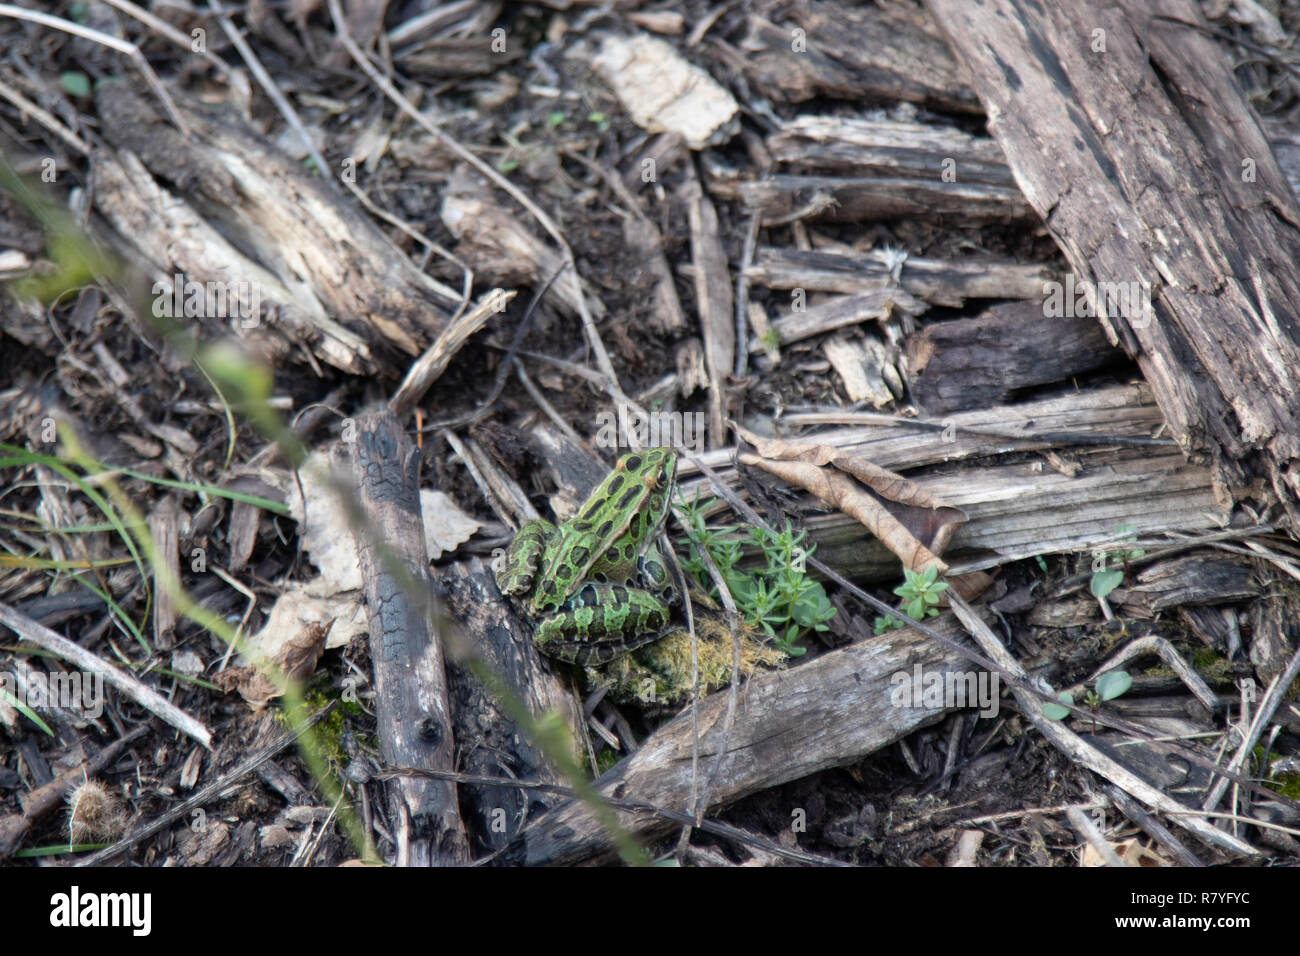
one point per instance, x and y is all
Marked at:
(598, 585)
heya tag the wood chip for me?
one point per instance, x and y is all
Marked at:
(664, 93)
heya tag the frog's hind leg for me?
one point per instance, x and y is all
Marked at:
(601, 621)
(589, 655)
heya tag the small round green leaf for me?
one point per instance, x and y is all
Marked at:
(75, 83)
(1103, 582)
(1113, 683)
(1056, 711)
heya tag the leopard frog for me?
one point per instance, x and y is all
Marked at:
(597, 585)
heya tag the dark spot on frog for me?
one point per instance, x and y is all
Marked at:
(604, 529)
(612, 555)
(629, 496)
(580, 555)
(633, 463)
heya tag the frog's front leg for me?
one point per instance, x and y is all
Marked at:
(654, 573)
(600, 622)
(519, 568)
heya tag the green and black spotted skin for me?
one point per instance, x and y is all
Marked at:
(597, 585)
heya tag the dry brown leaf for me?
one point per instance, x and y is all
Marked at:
(908, 520)
(296, 659)
(256, 690)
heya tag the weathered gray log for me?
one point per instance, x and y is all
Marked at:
(320, 272)
(826, 713)
(984, 360)
(1131, 137)
(490, 742)
(412, 713)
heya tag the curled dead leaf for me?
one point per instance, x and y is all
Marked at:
(907, 519)
(296, 659)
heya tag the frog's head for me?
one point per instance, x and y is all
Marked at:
(656, 470)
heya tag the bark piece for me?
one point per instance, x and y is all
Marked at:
(1020, 510)
(826, 713)
(783, 197)
(840, 311)
(797, 51)
(499, 247)
(1198, 579)
(940, 282)
(664, 93)
(858, 364)
(885, 147)
(713, 298)
(643, 238)
(166, 540)
(985, 360)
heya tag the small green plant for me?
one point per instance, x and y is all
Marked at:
(777, 596)
(920, 593)
(75, 83)
(555, 118)
(599, 120)
(1109, 686)
(26, 711)
(1108, 566)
